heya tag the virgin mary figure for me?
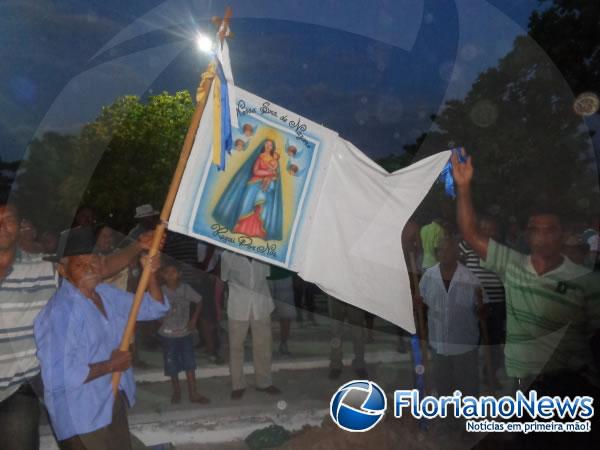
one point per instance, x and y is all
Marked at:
(252, 201)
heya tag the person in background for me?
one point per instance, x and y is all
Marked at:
(49, 241)
(147, 218)
(369, 324)
(146, 333)
(84, 217)
(592, 239)
(591, 228)
(105, 245)
(304, 298)
(281, 283)
(452, 295)
(514, 237)
(413, 257)
(208, 257)
(493, 298)
(176, 329)
(430, 235)
(577, 250)
(249, 307)
(28, 238)
(340, 311)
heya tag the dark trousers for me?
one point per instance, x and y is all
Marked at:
(496, 332)
(20, 420)
(340, 311)
(304, 296)
(456, 372)
(111, 437)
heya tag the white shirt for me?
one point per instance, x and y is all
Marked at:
(452, 314)
(249, 294)
(594, 243)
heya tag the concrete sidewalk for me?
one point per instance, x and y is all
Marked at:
(305, 398)
(225, 423)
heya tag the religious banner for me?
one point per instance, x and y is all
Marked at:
(294, 194)
(256, 202)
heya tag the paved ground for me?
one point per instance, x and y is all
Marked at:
(224, 423)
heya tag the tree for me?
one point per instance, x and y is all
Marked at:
(120, 160)
(393, 162)
(42, 189)
(518, 122)
(568, 32)
(140, 154)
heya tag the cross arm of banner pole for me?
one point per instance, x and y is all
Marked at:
(223, 25)
(204, 87)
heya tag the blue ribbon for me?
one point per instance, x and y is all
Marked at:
(446, 175)
(226, 132)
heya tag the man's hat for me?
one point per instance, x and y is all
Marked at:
(74, 241)
(145, 211)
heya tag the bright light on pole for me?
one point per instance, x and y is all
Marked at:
(204, 43)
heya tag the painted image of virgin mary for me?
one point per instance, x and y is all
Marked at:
(252, 202)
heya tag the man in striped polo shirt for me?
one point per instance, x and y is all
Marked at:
(493, 298)
(552, 304)
(26, 284)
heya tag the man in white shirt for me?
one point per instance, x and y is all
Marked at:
(249, 306)
(452, 295)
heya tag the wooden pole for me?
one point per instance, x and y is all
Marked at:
(204, 88)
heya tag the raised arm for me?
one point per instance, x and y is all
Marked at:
(465, 214)
(154, 288)
(115, 262)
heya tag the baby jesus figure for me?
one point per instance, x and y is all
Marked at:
(273, 163)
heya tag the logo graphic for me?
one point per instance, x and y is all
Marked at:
(358, 406)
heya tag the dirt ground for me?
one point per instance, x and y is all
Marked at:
(390, 434)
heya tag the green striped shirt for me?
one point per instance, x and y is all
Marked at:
(24, 291)
(549, 318)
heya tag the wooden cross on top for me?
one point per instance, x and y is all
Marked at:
(223, 24)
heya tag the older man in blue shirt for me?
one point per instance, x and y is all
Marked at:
(77, 335)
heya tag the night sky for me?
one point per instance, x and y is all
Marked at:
(373, 71)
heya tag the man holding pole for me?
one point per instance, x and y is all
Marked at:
(77, 335)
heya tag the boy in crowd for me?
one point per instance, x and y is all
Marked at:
(176, 332)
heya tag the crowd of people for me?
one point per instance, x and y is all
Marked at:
(497, 300)
(65, 303)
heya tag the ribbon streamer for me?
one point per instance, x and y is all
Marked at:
(446, 175)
